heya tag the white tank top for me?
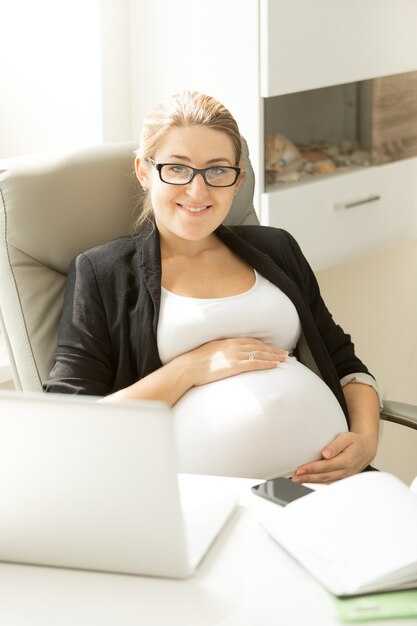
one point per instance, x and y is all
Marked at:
(256, 424)
(263, 312)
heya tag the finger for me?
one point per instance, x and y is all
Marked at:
(259, 344)
(324, 471)
(269, 347)
(336, 446)
(262, 355)
(320, 467)
(255, 351)
(323, 477)
(258, 364)
(277, 352)
(264, 348)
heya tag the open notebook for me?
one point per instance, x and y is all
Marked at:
(358, 535)
(94, 485)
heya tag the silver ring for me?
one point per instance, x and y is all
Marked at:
(251, 356)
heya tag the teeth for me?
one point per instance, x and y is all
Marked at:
(194, 209)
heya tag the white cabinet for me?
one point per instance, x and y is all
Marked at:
(348, 215)
(308, 44)
(246, 52)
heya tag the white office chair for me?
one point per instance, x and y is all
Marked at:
(55, 206)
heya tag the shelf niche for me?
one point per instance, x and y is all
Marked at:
(378, 116)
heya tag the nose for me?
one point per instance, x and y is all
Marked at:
(197, 188)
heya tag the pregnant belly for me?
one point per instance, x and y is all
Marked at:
(257, 424)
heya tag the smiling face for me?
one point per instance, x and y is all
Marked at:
(191, 212)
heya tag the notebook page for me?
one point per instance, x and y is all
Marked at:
(353, 533)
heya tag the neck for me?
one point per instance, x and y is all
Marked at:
(174, 247)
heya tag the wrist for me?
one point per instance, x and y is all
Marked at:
(183, 372)
(367, 426)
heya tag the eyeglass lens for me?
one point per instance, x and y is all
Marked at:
(176, 174)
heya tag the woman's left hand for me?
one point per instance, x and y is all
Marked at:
(348, 453)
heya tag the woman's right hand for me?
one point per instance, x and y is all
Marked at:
(220, 359)
(211, 361)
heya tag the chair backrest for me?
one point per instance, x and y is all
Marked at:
(52, 207)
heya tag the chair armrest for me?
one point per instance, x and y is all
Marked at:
(400, 413)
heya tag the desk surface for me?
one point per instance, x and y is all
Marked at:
(5, 372)
(246, 579)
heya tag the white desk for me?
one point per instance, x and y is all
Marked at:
(5, 372)
(246, 579)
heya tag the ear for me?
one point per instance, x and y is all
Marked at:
(241, 176)
(142, 173)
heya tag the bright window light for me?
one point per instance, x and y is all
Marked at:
(50, 75)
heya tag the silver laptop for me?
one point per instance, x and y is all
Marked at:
(94, 485)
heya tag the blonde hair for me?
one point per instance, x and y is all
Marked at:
(188, 108)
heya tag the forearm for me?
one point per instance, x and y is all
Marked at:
(210, 362)
(167, 384)
(363, 409)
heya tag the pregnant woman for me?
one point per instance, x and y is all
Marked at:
(225, 324)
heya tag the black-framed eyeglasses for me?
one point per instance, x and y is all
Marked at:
(179, 174)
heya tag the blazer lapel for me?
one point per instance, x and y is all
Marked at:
(266, 266)
(151, 266)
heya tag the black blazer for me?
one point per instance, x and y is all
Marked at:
(108, 332)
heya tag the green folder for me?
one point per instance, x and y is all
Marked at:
(379, 606)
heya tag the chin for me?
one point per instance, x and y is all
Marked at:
(197, 228)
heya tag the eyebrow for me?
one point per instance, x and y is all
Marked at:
(182, 157)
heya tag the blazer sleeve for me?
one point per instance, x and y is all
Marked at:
(338, 343)
(83, 361)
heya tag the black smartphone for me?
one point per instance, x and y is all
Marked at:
(281, 490)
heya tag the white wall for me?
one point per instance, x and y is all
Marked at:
(375, 300)
(169, 52)
(115, 70)
(64, 74)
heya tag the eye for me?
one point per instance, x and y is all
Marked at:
(217, 171)
(179, 169)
